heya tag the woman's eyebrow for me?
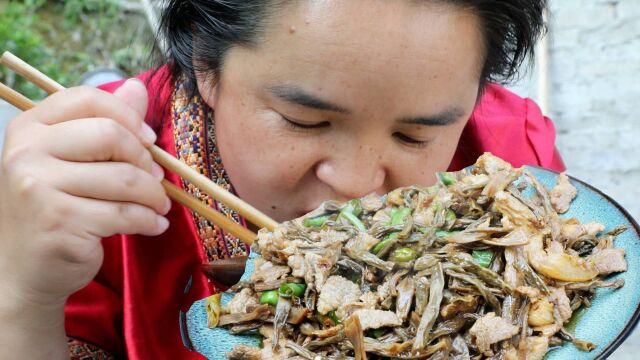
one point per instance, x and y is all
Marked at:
(296, 95)
(444, 118)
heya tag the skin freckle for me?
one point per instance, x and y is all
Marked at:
(292, 29)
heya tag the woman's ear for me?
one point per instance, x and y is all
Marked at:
(207, 87)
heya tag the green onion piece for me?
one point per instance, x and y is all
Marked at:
(317, 221)
(423, 230)
(379, 246)
(482, 257)
(332, 315)
(269, 297)
(446, 178)
(450, 216)
(292, 289)
(404, 254)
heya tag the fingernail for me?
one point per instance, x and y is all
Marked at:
(167, 206)
(157, 171)
(148, 134)
(162, 224)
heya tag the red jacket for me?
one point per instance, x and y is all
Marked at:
(131, 308)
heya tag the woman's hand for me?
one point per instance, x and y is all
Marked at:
(74, 169)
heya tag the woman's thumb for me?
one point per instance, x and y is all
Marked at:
(134, 93)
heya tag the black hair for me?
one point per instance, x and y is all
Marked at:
(202, 31)
(510, 29)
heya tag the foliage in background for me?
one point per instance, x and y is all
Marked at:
(65, 39)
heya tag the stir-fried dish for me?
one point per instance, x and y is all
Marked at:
(478, 266)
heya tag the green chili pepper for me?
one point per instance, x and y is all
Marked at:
(357, 207)
(404, 254)
(351, 211)
(450, 216)
(292, 289)
(332, 315)
(269, 297)
(447, 178)
(398, 215)
(376, 333)
(397, 218)
(444, 233)
(354, 221)
(379, 246)
(315, 221)
(482, 257)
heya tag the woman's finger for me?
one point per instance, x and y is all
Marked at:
(101, 218)
(95, 140)
(87, 102)
(112, 181)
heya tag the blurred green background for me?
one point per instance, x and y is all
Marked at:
(66, 39)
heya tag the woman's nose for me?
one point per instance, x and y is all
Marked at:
(353, 174)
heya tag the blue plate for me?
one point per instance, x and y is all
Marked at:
(607, 323)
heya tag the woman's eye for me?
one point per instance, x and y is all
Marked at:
(304, 126)
(407, 140)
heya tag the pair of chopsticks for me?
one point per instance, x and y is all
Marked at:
(161, 157)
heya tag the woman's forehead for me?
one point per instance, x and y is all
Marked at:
(392, 30)
(385, 47)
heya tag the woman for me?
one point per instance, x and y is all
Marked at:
(301, 101)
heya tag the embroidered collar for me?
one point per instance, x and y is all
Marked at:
(195, 142)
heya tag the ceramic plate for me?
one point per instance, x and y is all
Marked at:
(611, 318)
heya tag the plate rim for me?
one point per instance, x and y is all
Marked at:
(633, 321)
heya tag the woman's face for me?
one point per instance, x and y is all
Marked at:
(344, 98)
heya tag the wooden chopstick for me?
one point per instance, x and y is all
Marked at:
(30, 73)
(160, 156)
(15, 98)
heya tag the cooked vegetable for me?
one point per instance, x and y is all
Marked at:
(291, 289)
(469, 268)
(351, 211)
(269, 297)
(446, 178)
(316, 221)
(404, 254)
(483, 257)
